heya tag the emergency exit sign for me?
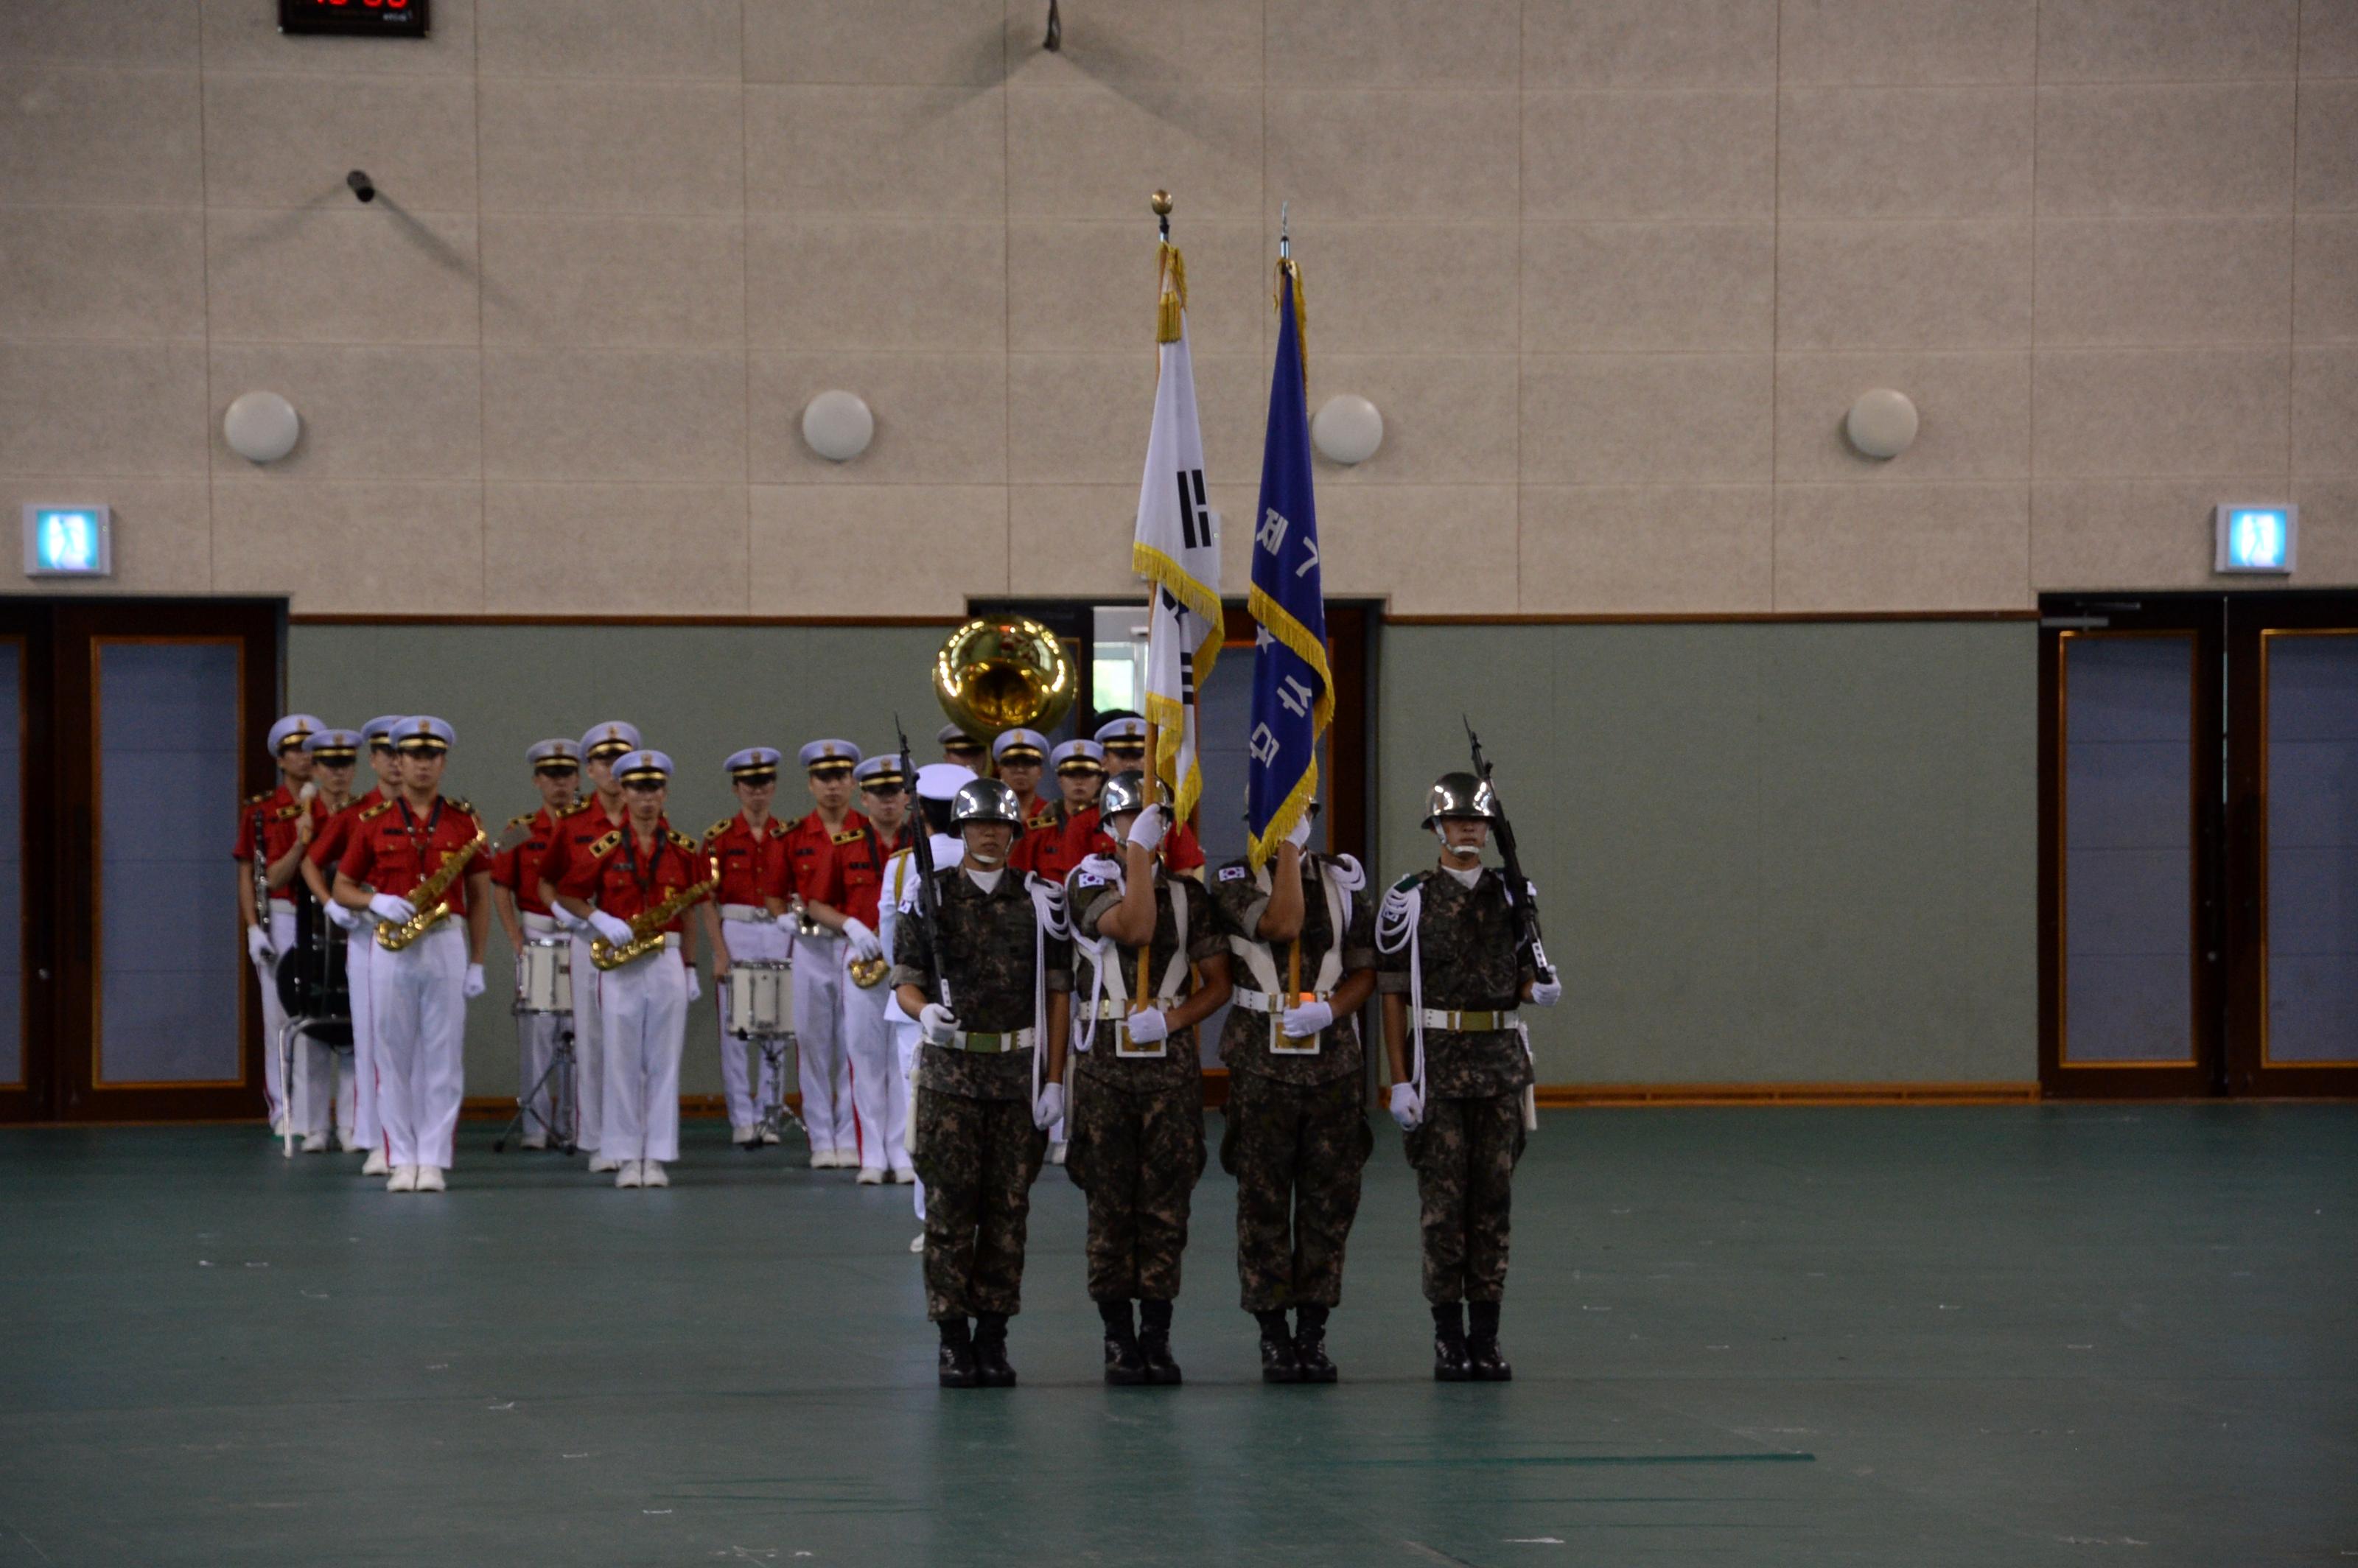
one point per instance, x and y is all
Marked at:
(2257, 539)
(69, 541)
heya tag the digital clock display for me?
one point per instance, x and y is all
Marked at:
(366, 19)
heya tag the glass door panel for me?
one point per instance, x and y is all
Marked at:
(2310, 789)
(14, 1068)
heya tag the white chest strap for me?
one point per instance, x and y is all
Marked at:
(1341, 877)
(1395, 928)
(1109, 984)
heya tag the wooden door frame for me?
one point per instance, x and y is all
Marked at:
(2069, 617)
(26, 621)
(2250, 619)
(62, 906)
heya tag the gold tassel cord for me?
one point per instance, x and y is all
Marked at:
(1287, 272)
(1170, 276)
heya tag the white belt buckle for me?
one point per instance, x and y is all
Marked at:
(1281, 1044)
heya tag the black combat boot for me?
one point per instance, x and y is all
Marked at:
(1124, 1367)
(958, 1368)
(1309, 1346)
(1154, 1342)
(1277, 1361)
(1482, 1356)
(991, 1366)
(1449, 1363)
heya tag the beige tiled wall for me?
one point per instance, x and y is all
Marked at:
(1613, 270)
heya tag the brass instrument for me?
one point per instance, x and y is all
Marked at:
(427, 898)
(869, 973)
(1002, 673)
(647, 925)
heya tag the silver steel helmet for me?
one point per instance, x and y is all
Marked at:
(1460, 794)
(1126, 791)
(985, 800)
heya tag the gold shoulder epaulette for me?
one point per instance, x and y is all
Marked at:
(778, 830)
(717, 829)
(291, 810)
(374, 812)
(519, 821)
(683, 842)
(458, 804)
(607, 843)
(575, 809)
(848, 836)
(258, 799)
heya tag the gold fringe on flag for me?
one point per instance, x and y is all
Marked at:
(1171, 273)
(1288, 272)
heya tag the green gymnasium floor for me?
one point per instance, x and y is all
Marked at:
(2010, 1336)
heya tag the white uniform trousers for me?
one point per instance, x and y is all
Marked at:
(323, 1089)
(879, 1091)
(273, 1017)
(589, 1051)
(643, 1009)
(536, 1035)
(746, 1074)
(826, 1067)
(906, 1043)
(419, 996)
(368, 1131)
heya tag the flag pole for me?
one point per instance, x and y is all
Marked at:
(1287, 280)
(1160, 204)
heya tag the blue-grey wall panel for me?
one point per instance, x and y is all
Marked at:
(2312, 916)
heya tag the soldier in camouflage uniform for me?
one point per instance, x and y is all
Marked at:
(1297, 1120)
(1454, 966)
(985, 989)
(1138, 1114)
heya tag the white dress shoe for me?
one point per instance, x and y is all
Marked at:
(743, 1133)
(374, 1164)
(315, 1143)
(404, 1179)
(822, 1160)
(348, 1145)
(1056, 1152)
(600, 1164)
(902, 1175)
(871, 1176)
(653, 1175)
(917, 1242)
(429, 1179)
(770, 1135)
(278, 1127)
(626, 1174)
(535, 1140)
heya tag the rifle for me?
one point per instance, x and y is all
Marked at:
(1518, 887)
(921, 852)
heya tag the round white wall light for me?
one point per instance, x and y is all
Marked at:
(1347, 428)
(839, 426)
(261, 427)
(1882, 423)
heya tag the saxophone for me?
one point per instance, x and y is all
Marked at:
(426, 896)
(647, 925)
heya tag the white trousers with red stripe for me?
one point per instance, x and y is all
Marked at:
(420, 1000)
(750, 1086)
(280, 917)
(643, 1009)
(826, 1067)
(589, 1052)
(368, 1131)
(878, 1090)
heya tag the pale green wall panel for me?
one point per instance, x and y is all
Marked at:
(1788, 852)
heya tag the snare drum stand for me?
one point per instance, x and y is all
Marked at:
(776, 1052)
(560, 1060)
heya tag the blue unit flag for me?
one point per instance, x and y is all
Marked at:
(1294, 695)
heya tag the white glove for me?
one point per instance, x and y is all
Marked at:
(1300, 837)
(474, 983)
(695, 983)
(345, 919)
(257, 944)
(614, 928)
(1546, 993)
(392, 909)
(1407, 1106)
(864, 945)
(1302, 1022)
(566, 919)
(938, 1025)
(1049, 1108)
(1148, 1025)
(1146, 828)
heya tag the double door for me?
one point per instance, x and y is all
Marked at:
(131, 729)
(2199, 803)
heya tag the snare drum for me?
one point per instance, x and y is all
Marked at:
(761, 998)
(544, 975)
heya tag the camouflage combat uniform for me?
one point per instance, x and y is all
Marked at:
(1297, 1134)
(1137, 1123)
(976, 1146)
(1465, 1153)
